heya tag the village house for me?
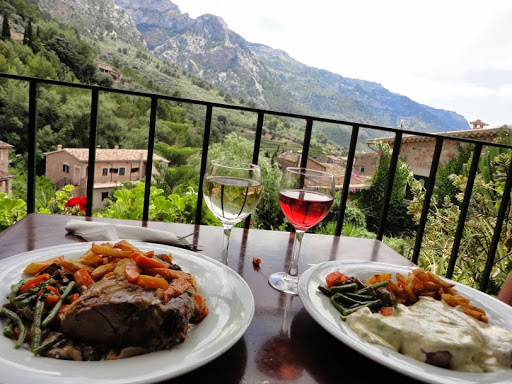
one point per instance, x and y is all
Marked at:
(332, 164)
(5, 185)
(418, 151)
(113, 167)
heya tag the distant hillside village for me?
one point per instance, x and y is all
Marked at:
(66, 166)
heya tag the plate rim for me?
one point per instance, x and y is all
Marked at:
(240, 288)
(386, 357)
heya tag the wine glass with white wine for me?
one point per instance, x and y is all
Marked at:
(231, 190)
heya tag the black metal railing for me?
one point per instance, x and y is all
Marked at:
(261, 114)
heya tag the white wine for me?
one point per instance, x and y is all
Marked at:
(231, 199)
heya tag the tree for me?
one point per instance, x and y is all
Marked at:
(6, 30)
(28, 37)
(371, 200)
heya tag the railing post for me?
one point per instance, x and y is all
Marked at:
(92, 151)
(346, 182)
(389, 186)
(204, 159)
(505, 200)
(464, 210)
(428, 196)
(305, 145)
(32, 137)
(149, 159)
(256, 153)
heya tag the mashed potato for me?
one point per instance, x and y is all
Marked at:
(436, 333)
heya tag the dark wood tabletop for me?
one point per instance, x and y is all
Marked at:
(283, 343)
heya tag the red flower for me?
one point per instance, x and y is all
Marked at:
(80, 201)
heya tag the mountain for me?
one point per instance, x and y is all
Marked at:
(98, 19)
(207, 48)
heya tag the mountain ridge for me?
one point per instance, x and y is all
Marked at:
(207, 48)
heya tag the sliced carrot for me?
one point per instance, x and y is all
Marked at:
(83, 278)
(51, 298)
(144, 263)
(152, 282)
(386, 311)
(201, 309)
(150, 254)
(131, 272)
(169, 274)
(176, 288)
(74, 297)
(32, 283)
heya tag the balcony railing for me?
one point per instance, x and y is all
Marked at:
(310, 121)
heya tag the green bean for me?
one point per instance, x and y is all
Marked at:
(42, 348)
(327, 292)
(26, 301)
(36, 331)
(14, 317)
(49, 318)
(384, 283)
(341, 309)
(369, 304)
(14, 290)
(341, 298)
(9, 329)
(359, 297)
(344, 288)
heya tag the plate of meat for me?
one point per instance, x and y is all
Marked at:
(134, 317)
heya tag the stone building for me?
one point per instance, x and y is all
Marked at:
(5, 177)
(418, 151)
(113, 166)
(335, 166)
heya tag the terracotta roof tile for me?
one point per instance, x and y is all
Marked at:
(103, 154)
(4, 144)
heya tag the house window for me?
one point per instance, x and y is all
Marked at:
(136, 169)
(114, 170)
(362, 169)
(104, 195)
(65, 168)
(122, 171)
(104, 171)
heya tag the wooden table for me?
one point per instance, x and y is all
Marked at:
(282, 333)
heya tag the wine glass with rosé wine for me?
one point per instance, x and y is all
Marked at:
(305, 196)
(231, 190)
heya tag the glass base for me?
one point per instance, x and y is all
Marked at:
(284, 282)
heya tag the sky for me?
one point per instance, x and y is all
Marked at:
(449, 54)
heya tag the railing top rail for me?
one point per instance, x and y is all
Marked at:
(247, 109)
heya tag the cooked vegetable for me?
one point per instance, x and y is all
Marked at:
(44, 347)
(14, 317)
(83, 278)
(144, 263)
(32, 283)
(336, 278)
(131, 272)
(36, 332)
(49, 318)
(152, 282)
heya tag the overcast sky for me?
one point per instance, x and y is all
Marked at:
(454, 55)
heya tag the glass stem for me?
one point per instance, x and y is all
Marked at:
(294, 265)
(225, 246)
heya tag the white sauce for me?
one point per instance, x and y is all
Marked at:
(431, 326)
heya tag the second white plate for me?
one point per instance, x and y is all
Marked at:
(320, 308)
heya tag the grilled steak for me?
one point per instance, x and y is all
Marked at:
(115, 312)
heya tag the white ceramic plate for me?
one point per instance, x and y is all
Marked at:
(231, 308)
(319, 307)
